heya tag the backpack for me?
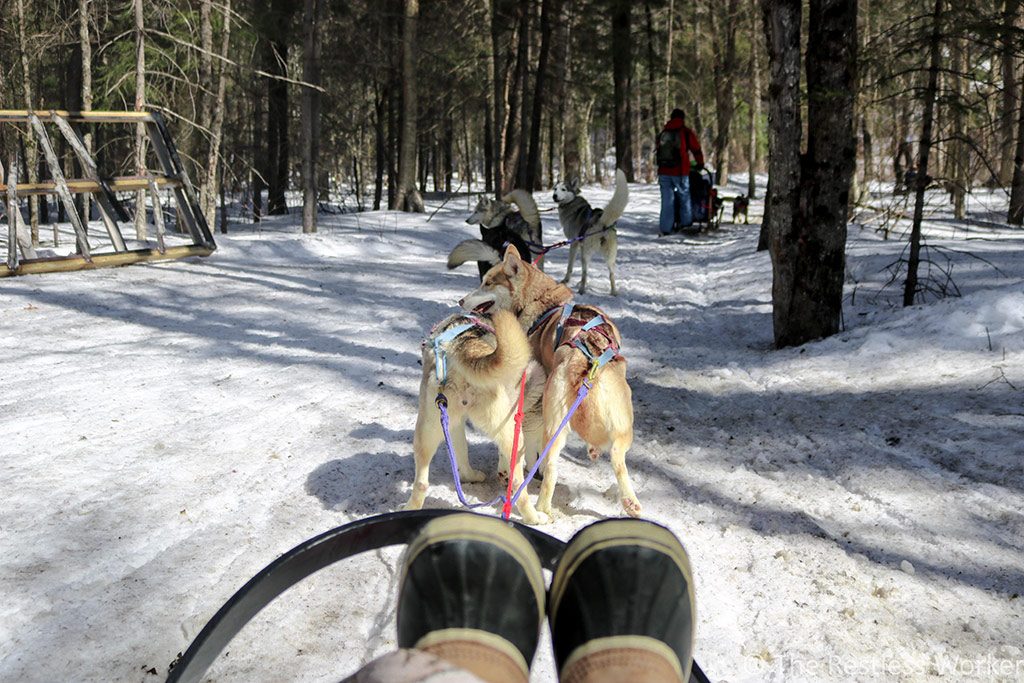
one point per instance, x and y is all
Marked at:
(667, 151)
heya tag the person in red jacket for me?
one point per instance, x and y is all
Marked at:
(676, 143)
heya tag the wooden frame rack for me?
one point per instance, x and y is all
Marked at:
(103, 189)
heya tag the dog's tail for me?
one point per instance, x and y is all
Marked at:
(527, 207)
(472, 250)
(617, 204)
(502, 364)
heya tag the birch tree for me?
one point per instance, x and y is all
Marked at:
(140, 129)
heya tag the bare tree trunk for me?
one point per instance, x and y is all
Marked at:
(140, 129)
(498, 100)
(406, 197)
(622, 75)
(85, 46)
(809, 193)
(516, 92)
(654, 124)
(533, 174)
(489, 105)
(278, 149)
(921, 178)
(958, 147)
(1016, 213)
(310, 112)
(724, 30)
(259, 147)
(380, 145)
(207, 88)
(755, 101)
(1008, 108)
(668, 57)
(31, 150)
(217, 123)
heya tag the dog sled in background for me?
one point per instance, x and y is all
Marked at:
(474, 364)
(588, 229)
(514, 219)
(706, 206)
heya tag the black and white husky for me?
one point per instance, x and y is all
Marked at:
(500, 225)
(590, 228)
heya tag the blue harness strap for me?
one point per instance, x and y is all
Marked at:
(440, 358)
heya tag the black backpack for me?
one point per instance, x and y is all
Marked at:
(667, 152)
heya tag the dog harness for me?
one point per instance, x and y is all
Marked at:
(595, 324)
(441, 341)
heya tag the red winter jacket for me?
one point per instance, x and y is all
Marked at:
(689, 141)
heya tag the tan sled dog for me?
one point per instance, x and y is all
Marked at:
(480, 376)
(605, 418)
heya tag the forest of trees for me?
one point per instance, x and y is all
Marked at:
(370, 103)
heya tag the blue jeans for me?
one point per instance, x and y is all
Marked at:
(675, 191)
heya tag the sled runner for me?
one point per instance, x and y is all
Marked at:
(371, 533)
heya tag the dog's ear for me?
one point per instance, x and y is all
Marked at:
(574, 184)
(512, 261)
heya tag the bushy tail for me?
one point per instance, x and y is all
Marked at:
(472, 250)
(527, 207)
(502, 364)
(617, 204)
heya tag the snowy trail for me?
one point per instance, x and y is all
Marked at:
(854, 508)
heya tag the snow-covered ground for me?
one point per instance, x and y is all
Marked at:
(854, 507)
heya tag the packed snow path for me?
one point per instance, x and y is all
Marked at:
(854, 508)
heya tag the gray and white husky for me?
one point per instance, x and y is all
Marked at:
(578, 218)
(500, 224)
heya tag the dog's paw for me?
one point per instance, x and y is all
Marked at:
(632, 507)
(564, 280)
(593, 452)
(582, 289)
(538, 518)
(471, 476)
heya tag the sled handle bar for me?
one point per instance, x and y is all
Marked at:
(309, 557)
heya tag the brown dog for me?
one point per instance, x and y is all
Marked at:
(605, 418)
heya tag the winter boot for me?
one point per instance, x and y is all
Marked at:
(621, 606)
(472, 592)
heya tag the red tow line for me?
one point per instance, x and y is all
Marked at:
(506, 510)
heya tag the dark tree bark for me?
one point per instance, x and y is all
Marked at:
(406, 196)
(921, 178)
(1016, 214)
(622, 75)
(276, 60)
(516, 94)
(310, 112)
(498, 100)
(726, 64)
(533, 175)
(809, 193)
(380, 147)
(755, 102)
(259, 162)
(652, 73)
(1008, 105)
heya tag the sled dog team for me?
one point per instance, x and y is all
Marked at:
(521, 323)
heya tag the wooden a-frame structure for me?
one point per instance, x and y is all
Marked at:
(172, 176)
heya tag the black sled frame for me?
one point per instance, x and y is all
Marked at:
(372, 533)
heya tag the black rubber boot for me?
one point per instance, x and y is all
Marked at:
(621, 606)
(472, 592)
